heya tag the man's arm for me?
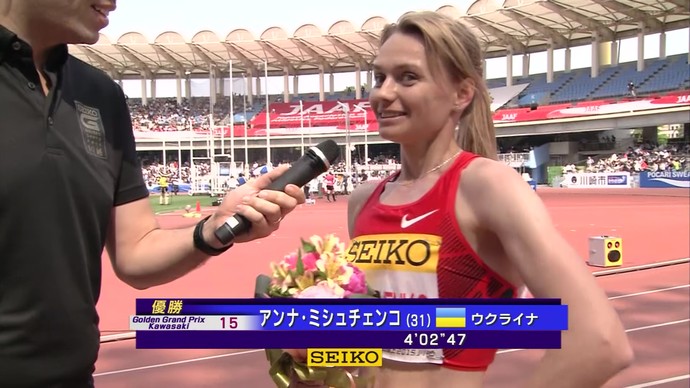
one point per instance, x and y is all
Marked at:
(144, 255)
(595, 347)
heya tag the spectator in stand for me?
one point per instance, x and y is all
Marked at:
(631, 89)
(165, 114)
(639, 159)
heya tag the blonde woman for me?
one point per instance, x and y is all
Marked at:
(488, 233)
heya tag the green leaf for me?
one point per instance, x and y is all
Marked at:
(319, 276)
(307, 246)
(300, 263)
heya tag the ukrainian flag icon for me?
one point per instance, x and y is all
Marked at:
(453, 318)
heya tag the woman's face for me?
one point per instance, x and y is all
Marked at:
(411, 100)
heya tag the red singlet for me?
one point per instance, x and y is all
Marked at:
(417, 250)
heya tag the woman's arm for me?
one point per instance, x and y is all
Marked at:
(595, 347)
(357, 199)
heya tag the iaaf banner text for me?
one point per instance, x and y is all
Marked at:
(665, 179)
(598, 180)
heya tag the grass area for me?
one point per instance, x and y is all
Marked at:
(178, 202)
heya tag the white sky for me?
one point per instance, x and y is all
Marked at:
(152, 17)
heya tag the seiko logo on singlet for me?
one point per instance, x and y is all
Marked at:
(92, 131)
(408, 252)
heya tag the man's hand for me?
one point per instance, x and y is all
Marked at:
(263, 208)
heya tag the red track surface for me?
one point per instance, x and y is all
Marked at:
(653, 229)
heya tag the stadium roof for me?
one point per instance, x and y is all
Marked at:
(522, 26)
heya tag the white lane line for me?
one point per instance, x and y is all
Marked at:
(632, 330)
(181, 362)
(649, 292)
(659, 264)
(657, 325)
(659, 382)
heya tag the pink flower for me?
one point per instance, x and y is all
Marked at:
(308, 260)
(291, 260)
(357, 283)
(320, 290)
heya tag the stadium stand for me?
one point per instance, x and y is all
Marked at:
(505, 29)
(660, 76)
(645, 157)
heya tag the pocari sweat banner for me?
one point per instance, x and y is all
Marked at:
(665, 179)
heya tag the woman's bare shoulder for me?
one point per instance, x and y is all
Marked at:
(357, 199)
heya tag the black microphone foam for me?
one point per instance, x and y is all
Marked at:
(314, 162)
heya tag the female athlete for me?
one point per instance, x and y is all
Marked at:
(488, 233)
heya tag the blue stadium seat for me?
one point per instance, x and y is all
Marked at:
(659, 75)
(675, 75)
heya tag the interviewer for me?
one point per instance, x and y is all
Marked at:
(70, 185)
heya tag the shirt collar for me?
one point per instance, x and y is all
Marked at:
(7, 38)
(11, 44)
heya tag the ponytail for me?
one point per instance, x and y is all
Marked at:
(476, 132)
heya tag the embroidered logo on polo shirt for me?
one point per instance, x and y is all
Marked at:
(92, 130)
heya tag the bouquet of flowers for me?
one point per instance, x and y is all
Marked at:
(318, 269)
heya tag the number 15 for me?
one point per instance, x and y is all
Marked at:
(229, 322)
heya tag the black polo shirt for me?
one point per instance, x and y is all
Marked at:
(66, 160)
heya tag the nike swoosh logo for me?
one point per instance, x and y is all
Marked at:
(405, 223)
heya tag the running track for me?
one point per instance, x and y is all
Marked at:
(653, 303)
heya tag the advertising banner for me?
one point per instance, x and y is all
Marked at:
(665, 179)
(600, 180)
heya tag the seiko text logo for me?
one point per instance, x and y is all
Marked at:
(92, 130)
(409, 252)
(344, 357)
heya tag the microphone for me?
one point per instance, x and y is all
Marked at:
(314, 162)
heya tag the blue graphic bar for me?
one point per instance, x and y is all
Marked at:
(387, 317)
(356, 339)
